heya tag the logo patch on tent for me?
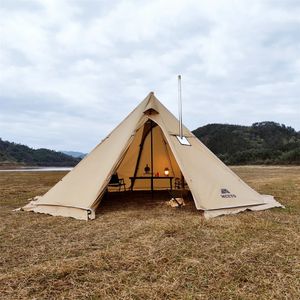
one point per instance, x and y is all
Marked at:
(226, 194)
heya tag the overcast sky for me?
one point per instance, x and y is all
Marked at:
(71, 70)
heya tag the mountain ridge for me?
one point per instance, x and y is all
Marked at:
(76, 154)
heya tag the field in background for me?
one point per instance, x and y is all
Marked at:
(140, 249)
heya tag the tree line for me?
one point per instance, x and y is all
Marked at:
(17, 154)
(260, 143)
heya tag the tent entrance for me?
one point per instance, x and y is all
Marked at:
(149, 163)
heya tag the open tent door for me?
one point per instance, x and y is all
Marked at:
(149, 149)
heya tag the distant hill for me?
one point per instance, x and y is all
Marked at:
(17, 154)
(74, 154)
(261, 143)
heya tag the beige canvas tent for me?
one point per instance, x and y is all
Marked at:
(150, 134)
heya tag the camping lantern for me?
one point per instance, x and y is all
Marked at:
(167, 172)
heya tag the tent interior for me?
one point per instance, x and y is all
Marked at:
(148, 163)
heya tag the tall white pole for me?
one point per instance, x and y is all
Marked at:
(180, 106)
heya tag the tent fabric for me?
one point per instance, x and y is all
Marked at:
(126, 150)
(270, 202)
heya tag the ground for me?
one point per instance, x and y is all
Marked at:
(140, 249)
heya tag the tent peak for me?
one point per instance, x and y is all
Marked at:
(151, 106)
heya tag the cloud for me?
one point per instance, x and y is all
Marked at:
(72, 70)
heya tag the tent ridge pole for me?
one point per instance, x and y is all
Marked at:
(147, 130)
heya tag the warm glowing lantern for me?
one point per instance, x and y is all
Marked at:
(167, 172)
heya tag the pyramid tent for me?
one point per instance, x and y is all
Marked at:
(216, 190)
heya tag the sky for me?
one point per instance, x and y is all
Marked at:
(71, 70)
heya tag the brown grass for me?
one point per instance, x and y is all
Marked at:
(143, 249)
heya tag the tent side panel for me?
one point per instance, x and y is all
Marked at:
(80, 214)
(81, 186)
(212, 184)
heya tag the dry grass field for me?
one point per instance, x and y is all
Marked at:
(143, 249)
